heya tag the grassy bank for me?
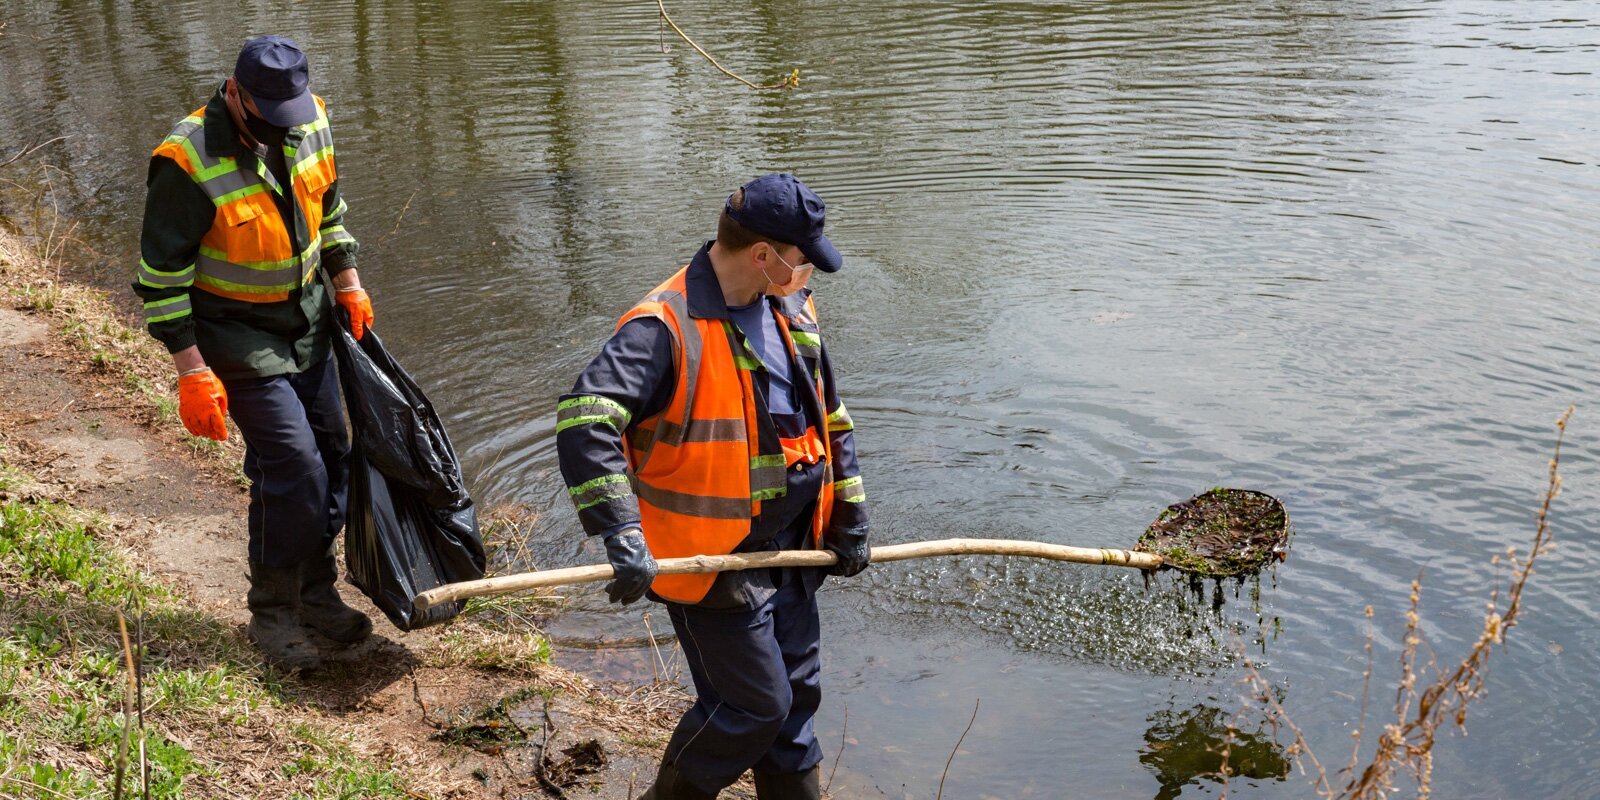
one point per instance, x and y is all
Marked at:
(463, 710)
(206, 698)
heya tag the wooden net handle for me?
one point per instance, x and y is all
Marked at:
(505, 584)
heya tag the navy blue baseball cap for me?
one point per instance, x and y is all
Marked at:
(779, 206)
(274, 71)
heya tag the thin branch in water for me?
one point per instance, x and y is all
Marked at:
(402, 216)
(844, 738)
(957, 748)
(790, 81)
(30, 149)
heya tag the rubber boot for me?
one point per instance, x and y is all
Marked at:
(320, 606)
(670, 785)
(274, 601)
(789, 785)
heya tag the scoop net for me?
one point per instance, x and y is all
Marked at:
(1221, 533)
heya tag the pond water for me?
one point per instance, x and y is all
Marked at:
(1101, 256)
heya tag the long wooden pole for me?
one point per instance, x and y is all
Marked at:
(505, 584)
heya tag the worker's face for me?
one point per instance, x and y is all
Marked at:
(785, 268)
(246, 102)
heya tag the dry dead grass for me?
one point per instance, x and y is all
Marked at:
(1426, 705)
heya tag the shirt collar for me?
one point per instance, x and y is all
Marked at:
(705, 292)
(222, 138)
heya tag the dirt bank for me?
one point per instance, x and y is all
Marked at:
(467, 710)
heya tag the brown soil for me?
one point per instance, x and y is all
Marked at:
(90, 441)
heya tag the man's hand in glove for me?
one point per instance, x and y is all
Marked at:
(356, 303)
(203, 404)
(850, 544)
(634, 566)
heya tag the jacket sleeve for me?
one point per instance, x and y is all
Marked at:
(631, 379)
(338, 246)
(849, 496)
(177, 215)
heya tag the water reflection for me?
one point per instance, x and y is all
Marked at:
(1183, 748)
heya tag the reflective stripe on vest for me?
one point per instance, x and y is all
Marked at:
(698, 472)
(247, 254)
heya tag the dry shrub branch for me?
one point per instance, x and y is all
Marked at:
(1404, 748)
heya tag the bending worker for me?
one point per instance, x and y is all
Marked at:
(243, 208)
(709, 424)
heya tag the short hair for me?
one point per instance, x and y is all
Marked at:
(736, 237)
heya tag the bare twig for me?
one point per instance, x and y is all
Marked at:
(127, 708)
(790, 81)
(402, 217)
(416, 694)
(656, 649)
(542, 766)
(138, 686)
(957, 748)
(844, 738)
(1366, 694)
(1406, 745)
(28, 150)
(30, 784)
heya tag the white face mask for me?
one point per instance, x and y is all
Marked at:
(798, 275)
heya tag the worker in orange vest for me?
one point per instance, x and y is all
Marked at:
(243, 209)
(710, 424)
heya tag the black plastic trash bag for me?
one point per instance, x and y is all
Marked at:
(411, 524)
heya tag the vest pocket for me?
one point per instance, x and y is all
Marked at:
(239, 212)
(247, 231)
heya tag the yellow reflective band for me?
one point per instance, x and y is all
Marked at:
(839, 421)
(849, 490)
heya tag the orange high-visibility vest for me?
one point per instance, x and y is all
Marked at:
(248, 253)
(698, 468)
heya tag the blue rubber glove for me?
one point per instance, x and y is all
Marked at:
(850, 544)
(634, 566)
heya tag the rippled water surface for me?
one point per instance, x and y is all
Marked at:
(1100, 256)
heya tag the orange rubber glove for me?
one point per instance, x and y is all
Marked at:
(359, 305)
(203, 404)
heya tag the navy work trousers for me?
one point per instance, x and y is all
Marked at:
(297, 459)
(757, 673)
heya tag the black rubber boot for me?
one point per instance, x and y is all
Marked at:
(789, 786)
(274, 601)
(670, 785)
(320, 606)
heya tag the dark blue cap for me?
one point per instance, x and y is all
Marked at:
(779, 206)
(274, 71)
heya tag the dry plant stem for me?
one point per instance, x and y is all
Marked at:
(695, 565)
(127, 709)
(138, 684)
(793, 78)
(1406, 745)
(29, 150)
(957, 748)
(1366, 695)
(655, 648)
